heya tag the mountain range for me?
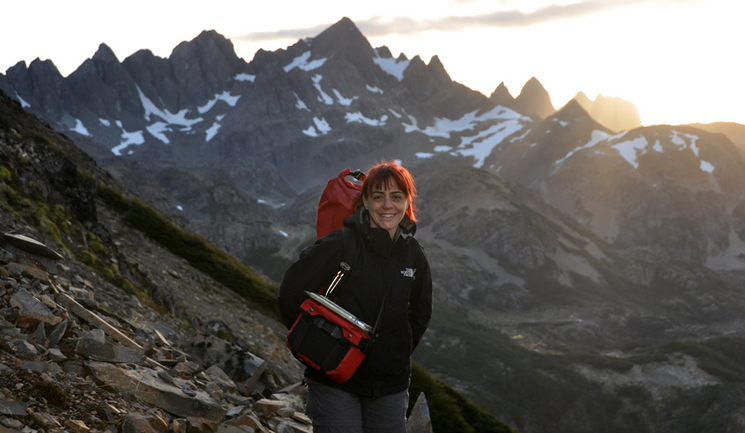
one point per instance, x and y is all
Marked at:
(588, 269)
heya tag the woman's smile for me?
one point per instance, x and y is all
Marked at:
(387, 207)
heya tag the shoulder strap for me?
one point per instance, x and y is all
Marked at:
(349, 248)
(348, 258)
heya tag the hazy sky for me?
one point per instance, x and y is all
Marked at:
(677, 61)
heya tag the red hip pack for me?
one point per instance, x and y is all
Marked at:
(326, 341)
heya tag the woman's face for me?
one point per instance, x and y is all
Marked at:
(386, 206)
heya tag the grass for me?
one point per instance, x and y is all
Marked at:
(450, 411)
(199, 252)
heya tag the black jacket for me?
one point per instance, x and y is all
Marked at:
(398, 268)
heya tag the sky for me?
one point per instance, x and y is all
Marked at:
(678, 61)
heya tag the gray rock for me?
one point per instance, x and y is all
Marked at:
(31, 309)
(5, 256)
(24, 349)
(144, 423)
(13, 408)
(242, 366)
(419, 420)
(147, 386)
(94, 346)
(56, 334)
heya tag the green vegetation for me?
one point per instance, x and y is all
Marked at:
(199, 252)
(450, 411)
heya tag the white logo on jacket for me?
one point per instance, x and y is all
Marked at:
(408, 272)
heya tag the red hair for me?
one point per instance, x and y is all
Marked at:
(381, 175)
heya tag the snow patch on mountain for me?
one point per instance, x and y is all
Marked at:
(158, 130)
(323, 96)
(128, 139)
(706, 166)
(212, 130)
(392, 66)
(628, 149)
(595, 138)
(224, 96)
(321, 128)
(443, 127)
(171, 118)
(301, 62)
(684, 141)
(245, 77)
(23, 102)
(300, 105)
(631, 149)
(80, 128)
(658, 147)
(482, 145)
(373, 89)
(360, 118)
(342, 100)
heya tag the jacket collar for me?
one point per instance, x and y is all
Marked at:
(378, 238)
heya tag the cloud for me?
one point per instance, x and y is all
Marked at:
(379, 26)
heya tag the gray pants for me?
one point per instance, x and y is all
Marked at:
(336, 411)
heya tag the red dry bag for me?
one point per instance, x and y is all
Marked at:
(336, 203)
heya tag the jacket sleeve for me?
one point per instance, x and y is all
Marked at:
(420, 302)
(310, 272)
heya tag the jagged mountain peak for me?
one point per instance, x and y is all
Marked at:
(207, 40)
(532, 85)
(534, 100)
(583, 100)
(205, 65)
(501, 95)
(384, 52)
(613, 112)
(570, 110)
(105, 54)
(43, 66)
(207, 48)
(340, 37)
(437, 69)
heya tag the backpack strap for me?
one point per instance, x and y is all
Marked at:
(349, 254)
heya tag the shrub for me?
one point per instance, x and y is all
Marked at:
(5, 174)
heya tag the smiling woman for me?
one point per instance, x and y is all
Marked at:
(389, 284)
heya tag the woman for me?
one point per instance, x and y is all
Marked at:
(390, 263)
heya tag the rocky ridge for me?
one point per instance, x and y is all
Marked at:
(78, 356)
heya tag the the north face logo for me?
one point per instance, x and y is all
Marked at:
(408, 272)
